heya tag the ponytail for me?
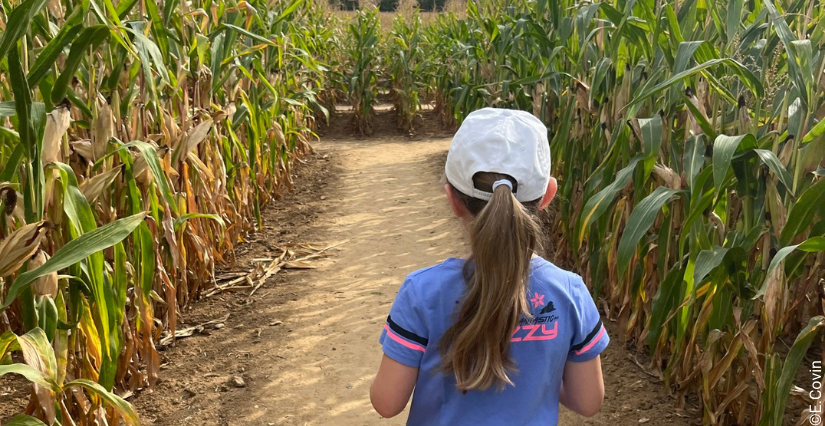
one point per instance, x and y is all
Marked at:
(503, 236)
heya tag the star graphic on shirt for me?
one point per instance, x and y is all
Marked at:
(537, 300)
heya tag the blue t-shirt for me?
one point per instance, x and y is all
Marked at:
(565, 327)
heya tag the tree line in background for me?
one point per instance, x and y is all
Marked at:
(389, 5)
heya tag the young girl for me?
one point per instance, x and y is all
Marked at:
(505, 336)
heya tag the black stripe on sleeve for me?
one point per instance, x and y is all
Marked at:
(406, 334)
(588, 338)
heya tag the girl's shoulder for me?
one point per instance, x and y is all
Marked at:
(450, 265)
(547, 275)
(435, 280)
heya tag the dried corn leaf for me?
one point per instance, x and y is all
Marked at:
(298, 264)
(192, 139)
(19, 247)
(92, 188)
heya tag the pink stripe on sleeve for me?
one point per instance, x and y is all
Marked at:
(403, 342)
(592, 342)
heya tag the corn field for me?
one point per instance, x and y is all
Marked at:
(139, 142)
(689, 150)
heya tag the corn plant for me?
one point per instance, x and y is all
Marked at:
(138, 143)
(363, 67)
(408, 68)
(689, 150)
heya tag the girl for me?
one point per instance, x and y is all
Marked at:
(505, 336)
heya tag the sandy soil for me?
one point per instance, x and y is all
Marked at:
(306, 345)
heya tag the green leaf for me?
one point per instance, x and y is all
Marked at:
(18, 23)
(8, 109)
(148, 47)
(747, 76)
(90, 37)
(651, 135)
(76, 250)
(664, 302)
(598, 204)
(815, 132)
(183, 219)
(770, 160)
(22, 420)
(802, 212)
(8, 343)
(788, 39)
(640, 220)
(289, 10)
(46, 58)
(707, 261)
(153, 162)
(31, 374)
(694, 159)
(734, 13)
(773, 365)
(723, 149)
(810, 245)
(791, 366)
(23, 103)
(125, 409)
(244, 32)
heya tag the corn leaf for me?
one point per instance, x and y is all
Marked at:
(813, 244)
(22, 420)
(75, 251)
(598, 204)
(773, 163)
(640, 220)
(18, 23)
(71, 27)
(130, 417)
(90, 37)
(803, 211)
(694, 160)
(789, 369)
(31, 374)
(724, 147)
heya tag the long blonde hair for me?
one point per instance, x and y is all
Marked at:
(504, 234)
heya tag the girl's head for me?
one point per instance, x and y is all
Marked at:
(498, 176)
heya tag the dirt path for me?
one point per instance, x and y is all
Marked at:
(315, 367)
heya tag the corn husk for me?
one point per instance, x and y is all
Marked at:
(47, 284)
(104, 130)
(57, 123)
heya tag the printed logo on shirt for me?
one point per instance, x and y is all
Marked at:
(547, 308)
(537, 300)
(540, 327)
(532, 332)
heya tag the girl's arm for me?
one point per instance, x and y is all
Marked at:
(582, 388)
(393, 387)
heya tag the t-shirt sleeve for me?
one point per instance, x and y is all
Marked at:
(589, 335)
(404, 338)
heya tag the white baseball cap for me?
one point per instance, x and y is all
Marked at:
(504, 141)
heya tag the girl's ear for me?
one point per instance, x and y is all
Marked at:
(458, 207)
(552, 187)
